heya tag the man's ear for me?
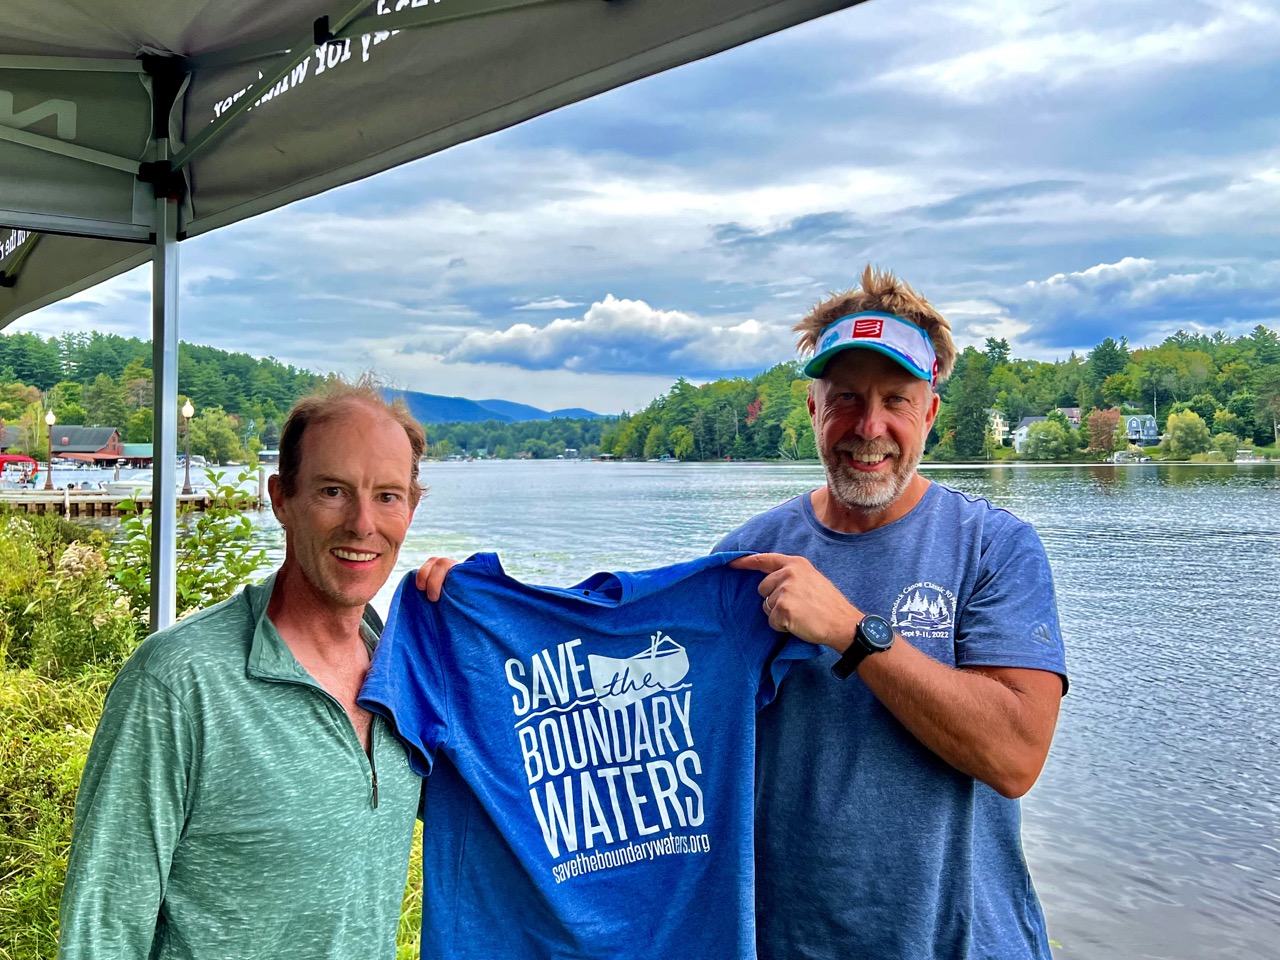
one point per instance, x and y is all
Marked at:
(276, 489)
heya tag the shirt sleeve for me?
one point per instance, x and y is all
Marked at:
(767, 653)
(130, 813)
(406, 683)
(1011, 618)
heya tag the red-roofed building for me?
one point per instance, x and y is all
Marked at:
(90, 444)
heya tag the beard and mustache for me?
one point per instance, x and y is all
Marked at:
(868, 491)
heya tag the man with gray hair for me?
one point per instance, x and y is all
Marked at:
(887, 823)
(237, 801)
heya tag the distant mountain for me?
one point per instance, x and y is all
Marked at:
(522, 412)
(576, 413)
(431, 408)
(515, 412)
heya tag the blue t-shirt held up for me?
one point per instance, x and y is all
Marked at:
(591, 752)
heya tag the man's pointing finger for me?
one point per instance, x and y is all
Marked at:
(763, 562)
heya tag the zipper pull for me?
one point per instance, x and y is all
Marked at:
(375, 789)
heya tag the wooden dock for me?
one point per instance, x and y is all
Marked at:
(96, 503)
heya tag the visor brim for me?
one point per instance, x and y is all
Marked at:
(818, 362)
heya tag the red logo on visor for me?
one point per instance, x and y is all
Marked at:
(870, 327)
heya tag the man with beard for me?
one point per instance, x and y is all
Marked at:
(887, 823)
(237, 801)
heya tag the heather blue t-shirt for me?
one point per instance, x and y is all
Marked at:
(591, 753)
(867, 844)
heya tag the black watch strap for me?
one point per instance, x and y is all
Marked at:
(872, 635)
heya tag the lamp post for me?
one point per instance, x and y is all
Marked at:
(188, 411)
(50, 419)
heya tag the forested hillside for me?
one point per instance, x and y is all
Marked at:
(95, 378)
(1207, 392)
(1219, 390)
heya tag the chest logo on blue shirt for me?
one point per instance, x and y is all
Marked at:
(926, 611)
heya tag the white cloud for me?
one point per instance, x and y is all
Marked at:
(972, 321)
(548, 303)
(606, 393)
(1015, 49)
(630, 336)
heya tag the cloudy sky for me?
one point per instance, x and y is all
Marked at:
(1052, 173)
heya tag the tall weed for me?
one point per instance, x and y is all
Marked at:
(45, 730)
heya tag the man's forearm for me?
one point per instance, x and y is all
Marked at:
(994, 724)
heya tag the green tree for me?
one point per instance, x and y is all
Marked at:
(215, 435)
(1185, 434)
(105, 402)
(970, 396)
(797, 440)
(997, 351)
(655, 444)
(1266, 345)
(681, 442)
(1246, 405)
(1267, 406)
(1224, 421)
(1107, 359)
(1048, 440)
(1118, 389)
(216, 552)
(15, 397)
(1225, 445)
(1205, 404)
(138, 384)
(538, 449)
(72, 414)
(139, 427)
(34, 362)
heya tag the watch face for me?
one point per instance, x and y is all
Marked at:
(877, 631)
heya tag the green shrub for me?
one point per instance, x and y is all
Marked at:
(45, 730)
(216, 555)
(59, 611)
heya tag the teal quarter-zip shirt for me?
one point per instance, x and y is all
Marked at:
(229, 811)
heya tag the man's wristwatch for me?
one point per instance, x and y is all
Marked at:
(872, 635)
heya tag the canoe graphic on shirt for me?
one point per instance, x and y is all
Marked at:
(620, 681)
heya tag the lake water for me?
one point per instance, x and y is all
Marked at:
(1154, 831)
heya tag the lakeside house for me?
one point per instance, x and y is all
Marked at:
(87, 444)
(8, 438)
(999, 427)
(1071, 413)
(1020, 431)
(1141, 428)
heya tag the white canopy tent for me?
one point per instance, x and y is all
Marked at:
(127, 126)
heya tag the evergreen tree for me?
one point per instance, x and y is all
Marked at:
(105, 403)
(1106, 359)
(972, 424)
(997, 351)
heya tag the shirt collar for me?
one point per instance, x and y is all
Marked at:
(269, 656)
